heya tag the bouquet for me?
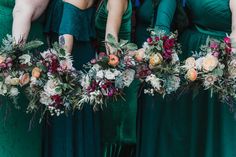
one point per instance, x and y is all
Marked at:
(54, 83)
(15, 59)
(215, 68)
(159, 63)
(106, 76)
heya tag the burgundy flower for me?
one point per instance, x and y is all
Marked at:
(165, 38)
(57, 99)
(54, 65)
(169, 43)
(157, 38)
(149, 40)
(3, 65)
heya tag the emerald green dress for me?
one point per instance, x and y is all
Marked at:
(154, 114)
(75, 135)
(15, 138)
(191, 124)
(118, 119)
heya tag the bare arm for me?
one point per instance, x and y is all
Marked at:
(233, 26)
(26, 11)
(116, 9)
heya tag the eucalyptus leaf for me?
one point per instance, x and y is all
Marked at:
(132, 46)
(32, 45)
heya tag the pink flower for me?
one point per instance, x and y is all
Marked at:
(227, 40)
(66, 65)
(214, 45)
(149, 40)
(93, 61)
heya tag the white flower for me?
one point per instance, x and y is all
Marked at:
(96, 67)
(145, 45)
(109, 75)
(25, 59)
(199, 62)
(100, 75)
(13, 92)
(128, 76)
(52, 87)
(154, 81)
(8, 80)
(175, 58)
(45, 99)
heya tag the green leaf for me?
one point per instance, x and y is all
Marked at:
(132, 46)
(111, 39)
(58, 89)
(123, 42)
(32, 45)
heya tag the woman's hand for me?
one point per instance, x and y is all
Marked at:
(26, 11)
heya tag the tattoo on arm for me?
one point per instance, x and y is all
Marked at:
(61, 40)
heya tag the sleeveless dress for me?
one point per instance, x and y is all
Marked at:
(15, 138)
(75, 135)
(153, 111)
(203, 125)
(118, 119)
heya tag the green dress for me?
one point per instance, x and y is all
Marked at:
(195, 125)
(118, 119)
(154, 114)
(15, 139)
(75, 135)
(204, 126)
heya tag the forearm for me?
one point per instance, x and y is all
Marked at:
(165, 14)
(233, 11)
(25, 11)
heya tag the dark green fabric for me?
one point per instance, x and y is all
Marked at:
(118, 119)
(75, 135)
(101, 20)
(184, 125)
(154, 113)
(15, 138)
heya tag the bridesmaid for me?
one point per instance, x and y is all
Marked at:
(199, 125)
(76, 135)
(118, 120)
(204, 126)
(153, 112)
(16, 140)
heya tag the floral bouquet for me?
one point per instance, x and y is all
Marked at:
(54, 83)
(159, 63)
(14, 62)
(106, 76)
(215, 68)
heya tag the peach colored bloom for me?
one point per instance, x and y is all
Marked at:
(24, 79)
(190, 63)
(209, 63)
(192, 74)
(140, 54)
(36, 72)
(2, 59)
(155, 59)
(113, 60)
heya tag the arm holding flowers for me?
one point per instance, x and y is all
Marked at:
(165, 14)
(26, 11)
(116, 9)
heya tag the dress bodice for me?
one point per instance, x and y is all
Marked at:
(210, 14)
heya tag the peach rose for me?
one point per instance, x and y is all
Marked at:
(192, 74)
(113, 60)
(155, 59)
(190, 63)
(24, 79)
(2, 59)
(36, 72)
(140, 54)
(209, 63)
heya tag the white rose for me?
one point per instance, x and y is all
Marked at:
(85, 81)
(100, 75)
(109, 75)
(66, 64)
(45, 99)
(51, 87)
(13, 92)
(199, 62)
